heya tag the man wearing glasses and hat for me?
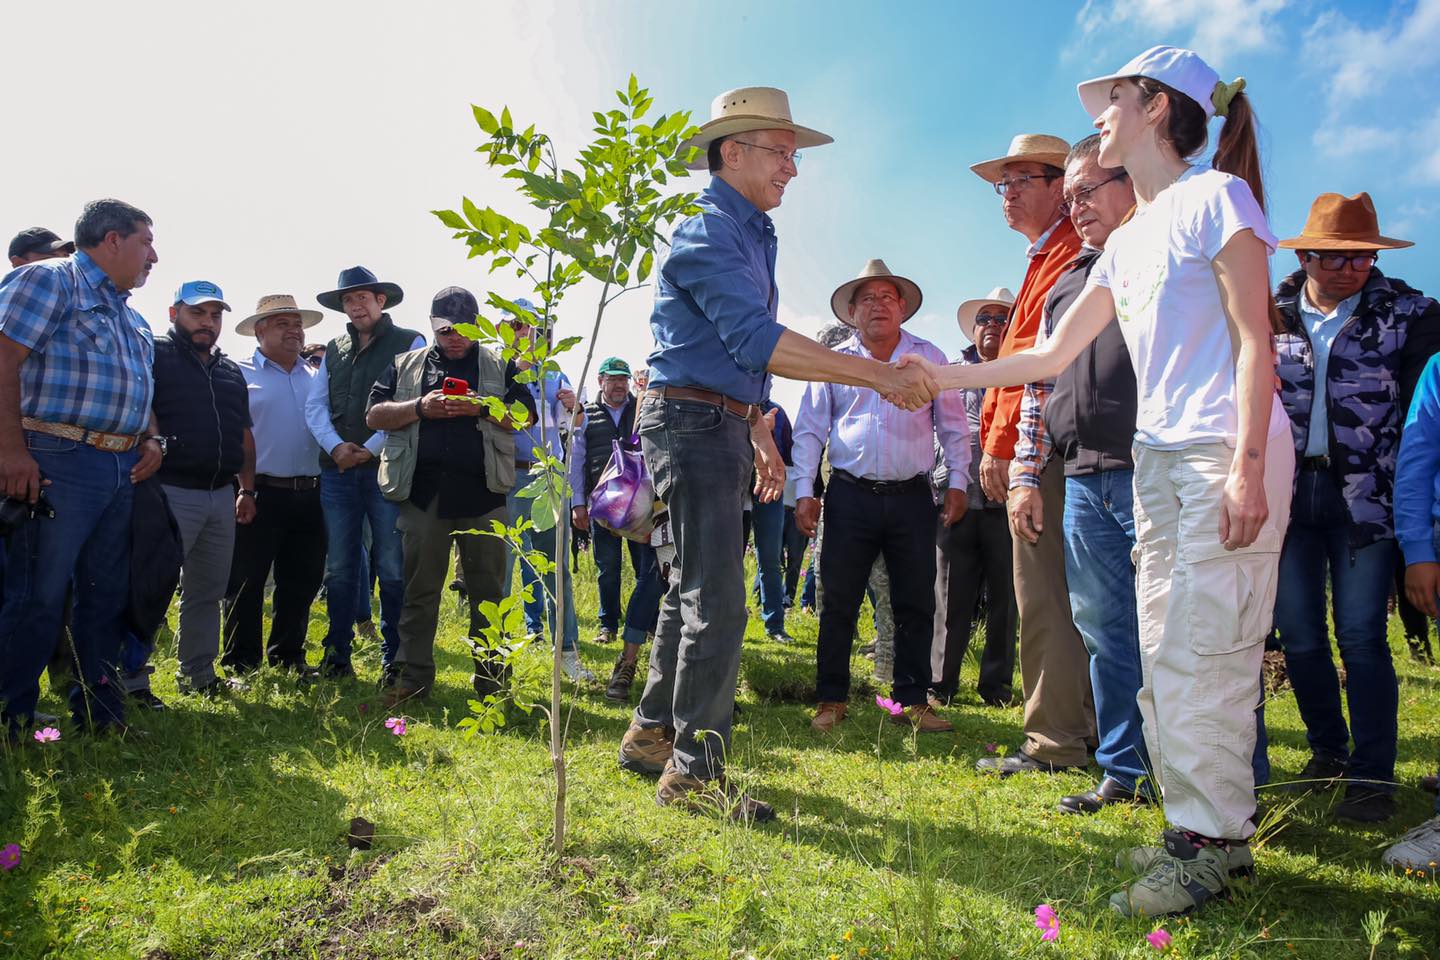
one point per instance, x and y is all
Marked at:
(287, 533)
(37, 243)
(349, 484)
(447, 466)
(1352, 348)
(716, 342)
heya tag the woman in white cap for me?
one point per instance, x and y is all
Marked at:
(1188, 280)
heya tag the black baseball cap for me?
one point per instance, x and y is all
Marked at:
(37, 239)
(451, 306)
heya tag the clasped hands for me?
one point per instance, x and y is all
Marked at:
(438, 405)
(911, 383)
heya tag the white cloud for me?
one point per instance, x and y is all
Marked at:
(1342, 141)
(1213, 28)
(1358, 61)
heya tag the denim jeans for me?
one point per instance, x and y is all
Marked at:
(544, 541)
(348, 498)
(89, 540)
(644, 605)
(700, 458)
(1099, 535)
(1360, 581)
(769, 522)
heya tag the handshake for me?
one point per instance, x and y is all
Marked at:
(909, 384)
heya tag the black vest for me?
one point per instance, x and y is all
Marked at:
(600, 433)
(204, 410)
(351, 374)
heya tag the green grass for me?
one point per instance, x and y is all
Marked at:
(222, 834)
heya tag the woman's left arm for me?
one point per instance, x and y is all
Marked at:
(1242, 271)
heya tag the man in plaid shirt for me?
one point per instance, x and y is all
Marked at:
(76, 430)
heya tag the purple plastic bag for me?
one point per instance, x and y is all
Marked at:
(623, 500)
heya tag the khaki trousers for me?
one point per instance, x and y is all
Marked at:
(425, 539)
(1054, 664)
(1204, 613)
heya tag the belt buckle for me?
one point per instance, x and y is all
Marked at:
(112, 442)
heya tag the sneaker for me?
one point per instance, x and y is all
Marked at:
(827, 716)
(780, 636)
(1417, 851)
(646, 749)
(1181, 878)
(618, 689)
(458, 586)
(574, 669)
(144, 698)
(1364, 804)
(1138, 861)
(1320, 773)
(209, 690)
(606, 635)
(716, 797)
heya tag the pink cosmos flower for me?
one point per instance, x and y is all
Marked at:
(1047, 920)
(1159, 939)
(9, 857)
(364, 707)
(885, 703)
(396, 725)
(991, 747)
(47, 735)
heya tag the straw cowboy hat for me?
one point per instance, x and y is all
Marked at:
(1342, 223)
(1025, 148)
(358, 278)
(875, 270)
(746, 109)
(965, 315)
(273, 305)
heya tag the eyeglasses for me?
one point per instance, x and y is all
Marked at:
(786, 156)
(1337, 261)
(1016, 184)
(315, 360)
(1082, 198)
(990, 319)
(870, 299)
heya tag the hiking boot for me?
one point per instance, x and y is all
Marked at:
(716, 797)
(1141, 860)
(618, 689)
(1320, 773)
(646, 749)
(1181, 878)
(1365, 804)
(1417, 851)
(924, 718)
(606, 635)
(827, 715)
(573, 668)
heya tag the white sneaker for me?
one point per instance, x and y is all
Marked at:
(1418, 850)
(574, 669)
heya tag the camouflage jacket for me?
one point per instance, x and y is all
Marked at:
(1374, 365)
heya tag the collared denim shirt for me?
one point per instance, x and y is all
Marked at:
(714, 320)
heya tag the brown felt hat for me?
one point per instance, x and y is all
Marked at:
(1342, 223)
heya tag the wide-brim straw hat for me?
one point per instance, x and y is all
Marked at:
(1343, 223)
(875, 270)
(967, 311)
(273, 305)
(359, 278)
(746, 109)
(1025, 148)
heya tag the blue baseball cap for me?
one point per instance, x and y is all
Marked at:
(194, 292)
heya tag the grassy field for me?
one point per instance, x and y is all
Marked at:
(223, 834)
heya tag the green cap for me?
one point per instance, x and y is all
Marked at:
(614, 366)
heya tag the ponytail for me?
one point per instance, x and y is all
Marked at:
(1238, 150)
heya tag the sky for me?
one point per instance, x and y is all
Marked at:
(275, 144)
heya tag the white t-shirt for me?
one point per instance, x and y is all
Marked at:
(1158, 270)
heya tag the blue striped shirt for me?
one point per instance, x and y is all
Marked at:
(90, 353)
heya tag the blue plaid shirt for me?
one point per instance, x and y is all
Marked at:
(90, 354)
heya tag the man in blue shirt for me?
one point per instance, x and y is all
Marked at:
(717, 341)
(75, 425)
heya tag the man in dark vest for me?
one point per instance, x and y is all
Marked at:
(349, 462)
(610, 420)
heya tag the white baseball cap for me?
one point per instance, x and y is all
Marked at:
(1173, 66)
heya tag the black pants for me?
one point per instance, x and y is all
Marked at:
(793, 543)
(974, 555)
(288, 533)
(859, 526)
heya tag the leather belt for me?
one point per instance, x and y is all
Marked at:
(99, 439)
(524, 464)
(748, 412)
(287, 483)
(886, 488)
(1315, 463)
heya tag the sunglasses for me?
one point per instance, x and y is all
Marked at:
(1337, 261)
(991, 320)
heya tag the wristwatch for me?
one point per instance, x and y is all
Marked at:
(419, 408)
(247, 493)
(163, 441)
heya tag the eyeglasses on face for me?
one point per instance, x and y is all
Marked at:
(990, 319)
(1017, 184)
(1082, 198)
(1337, 261)
(786, 156)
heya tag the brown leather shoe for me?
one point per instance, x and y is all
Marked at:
(395, 696)
(827, 715)
(646, 749)
(717, 798)
(924, 718)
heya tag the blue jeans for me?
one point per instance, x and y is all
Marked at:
(643, 609)
(544, 541)
(769, 526)
(807, 594)
(89, 540)
(1360, 581)
(1099, 535)
(349, 498)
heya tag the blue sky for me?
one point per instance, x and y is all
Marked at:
(278, 142)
